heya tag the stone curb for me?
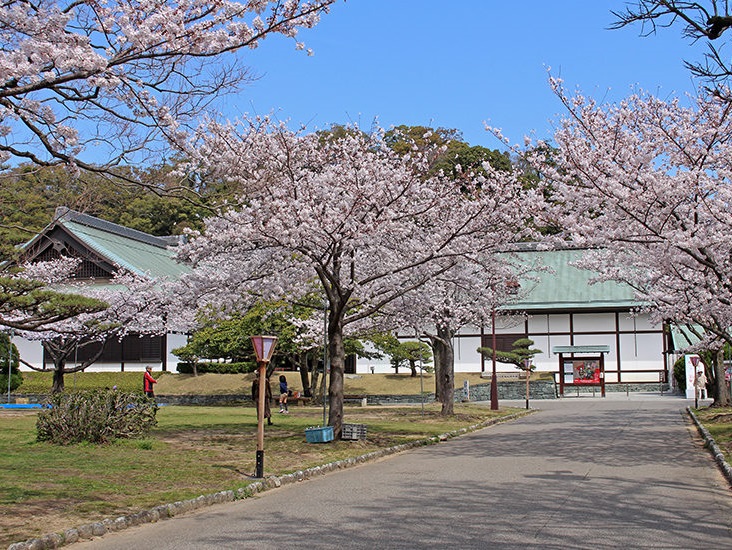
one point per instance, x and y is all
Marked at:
(166, 511)
(710, 444)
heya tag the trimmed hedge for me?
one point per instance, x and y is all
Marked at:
(218, 368)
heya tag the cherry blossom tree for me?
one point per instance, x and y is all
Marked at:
(118, 78)
(341, 215)
(467, 295)
(646, 183)
(131, 304)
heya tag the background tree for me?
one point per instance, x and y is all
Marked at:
(520, 352)
(446, 150)
(29, 196)
(299, 336)
(408, 353)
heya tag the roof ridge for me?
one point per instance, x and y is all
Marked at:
(64, 214)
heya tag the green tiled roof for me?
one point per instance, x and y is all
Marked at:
(566, 287)
(133, 254)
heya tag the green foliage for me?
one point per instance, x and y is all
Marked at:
(9, 354)
(217, 368)
(448, 150)
(470, 159)
(230, 339)
(680, 373)
(31, 305)
(160, 205)
(96, 416)
(520, 352)
(403, 139)
(401, 354)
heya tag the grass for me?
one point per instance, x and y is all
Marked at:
(719, 423)
(223, 384)
(192, 451)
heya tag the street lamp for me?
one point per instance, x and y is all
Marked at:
(263, 349)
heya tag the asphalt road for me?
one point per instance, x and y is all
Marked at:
(580, 473)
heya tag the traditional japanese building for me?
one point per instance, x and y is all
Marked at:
(104, 248)
(561, 307)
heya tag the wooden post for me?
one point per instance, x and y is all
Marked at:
(260, 420)
(561, 375)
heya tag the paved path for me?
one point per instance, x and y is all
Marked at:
(580, 473)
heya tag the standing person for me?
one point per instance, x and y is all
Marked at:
(267, 397)
(700, 383)
(147, 382)
(283, 394)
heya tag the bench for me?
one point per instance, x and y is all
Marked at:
(299, 401)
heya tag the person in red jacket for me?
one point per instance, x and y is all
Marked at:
(148, 381)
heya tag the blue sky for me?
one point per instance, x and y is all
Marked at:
(457, 64)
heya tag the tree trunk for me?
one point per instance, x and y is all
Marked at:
(445, 370)
(720, 387)
(58, 375)
(304, 374)
(413, 366)
(336, 354)
(448, 382)
(437, 356)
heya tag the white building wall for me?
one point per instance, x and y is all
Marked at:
(639, 351)
(32, 352)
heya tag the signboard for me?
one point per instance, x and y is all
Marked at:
(582, 371)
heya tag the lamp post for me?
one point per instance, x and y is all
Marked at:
(263, 349)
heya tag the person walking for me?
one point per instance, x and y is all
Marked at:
(147, 382)
(267, 397)
(283, 394)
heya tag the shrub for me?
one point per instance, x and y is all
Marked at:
(8, 352)
(16, 379)
(96, 416)
(217, 368)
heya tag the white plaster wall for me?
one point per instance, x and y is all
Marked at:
(642, 347)
(589, 322)
(548, 323)
(629, 322)
(32, 352)
(174, 341)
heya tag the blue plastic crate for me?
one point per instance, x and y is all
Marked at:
(319, 435)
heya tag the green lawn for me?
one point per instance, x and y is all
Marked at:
(719, 423)
(192, 451)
